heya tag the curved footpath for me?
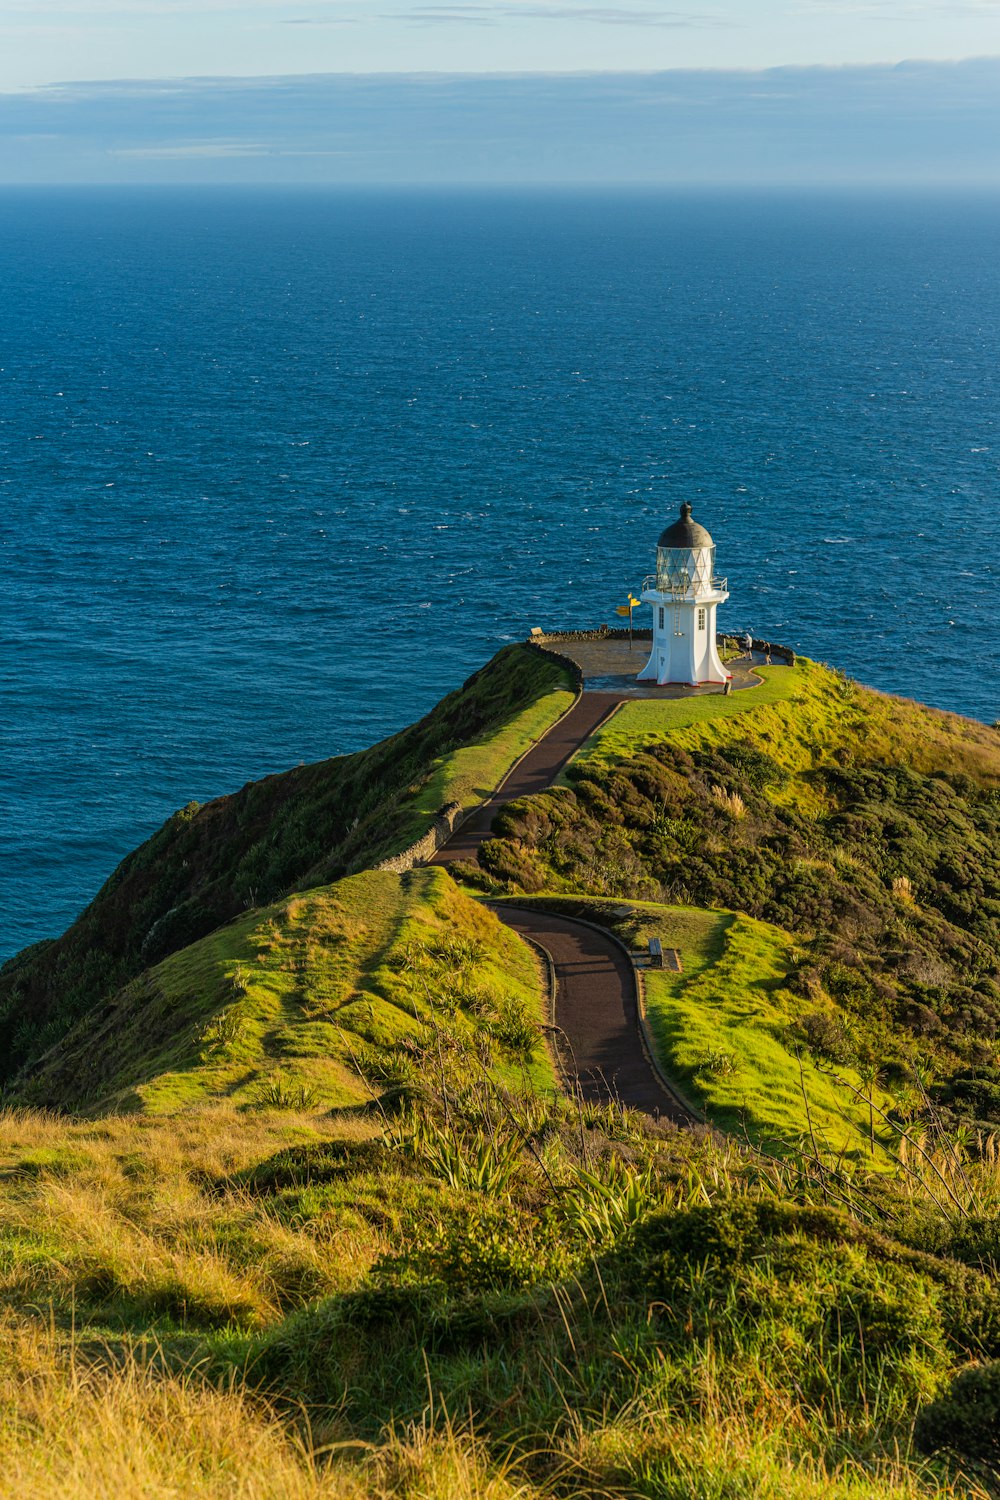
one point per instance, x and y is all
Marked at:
(596, 1004)
(536, 770)
(597, 1010)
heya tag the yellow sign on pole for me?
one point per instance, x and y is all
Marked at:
(626, 609)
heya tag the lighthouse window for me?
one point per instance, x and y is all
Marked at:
(701, 619)
(661, 617)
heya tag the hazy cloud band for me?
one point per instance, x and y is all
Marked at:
(914, 123)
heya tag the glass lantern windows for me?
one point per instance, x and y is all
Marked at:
(684, 570)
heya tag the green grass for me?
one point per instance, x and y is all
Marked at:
(804, 717)
(286, 1005)
(724, 1029)
(647, 721)
(479, 1290)
(468, 776)
(292, 1307)
(304, 828)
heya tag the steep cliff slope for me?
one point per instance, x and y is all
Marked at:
(303, 828)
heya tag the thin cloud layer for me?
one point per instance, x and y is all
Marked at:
(913, 123)
(495, 15)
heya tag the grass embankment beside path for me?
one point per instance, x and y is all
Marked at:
(724, 1028)
(470, 775)
(646, 721)
(288, 1006)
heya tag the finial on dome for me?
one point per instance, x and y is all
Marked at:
(685, 533)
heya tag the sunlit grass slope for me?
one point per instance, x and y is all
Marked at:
(805, 717)
(305, 827)
(646, 721)
(727, 1028)
(305, 1000)
(867, 828)
(224, 1304)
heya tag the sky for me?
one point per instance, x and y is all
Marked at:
(49, 41)
(493, 91)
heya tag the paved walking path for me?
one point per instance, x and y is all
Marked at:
(596, 1000)
(597, 1010)
(537, 770)
(608, 666)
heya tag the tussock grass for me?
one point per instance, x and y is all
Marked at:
(727, 1455)
(78, 1421)
(614, 1310)
(330, 1232)
(122, 1217)
(77, 1428)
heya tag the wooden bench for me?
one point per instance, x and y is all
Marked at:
(660, 957)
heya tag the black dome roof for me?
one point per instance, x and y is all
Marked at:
(685, 532)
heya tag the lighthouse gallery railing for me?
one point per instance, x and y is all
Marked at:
(681, 590)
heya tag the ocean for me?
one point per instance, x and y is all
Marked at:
(278, 469)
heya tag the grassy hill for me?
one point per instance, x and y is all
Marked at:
(865, 828)
(316, 1001)
(728, 1029)
(315, 1220)
(208, 865)
(489, 1293)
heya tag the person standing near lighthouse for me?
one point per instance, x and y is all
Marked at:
(685, 595)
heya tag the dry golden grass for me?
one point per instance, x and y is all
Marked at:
(78, 1432)
(135, 1212)
(735, 1457)
(128, 1212)
(77, 1423)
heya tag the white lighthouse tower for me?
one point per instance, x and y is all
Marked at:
(684, 594)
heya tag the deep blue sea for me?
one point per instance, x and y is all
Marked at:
(278, 469)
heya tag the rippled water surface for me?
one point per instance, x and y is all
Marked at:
(278, 470)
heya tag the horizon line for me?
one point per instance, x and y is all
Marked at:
(507, 74)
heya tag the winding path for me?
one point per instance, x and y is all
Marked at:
(597, 1010)
(596, 1004)
(535, 771)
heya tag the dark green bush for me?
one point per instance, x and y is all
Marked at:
(966, 1419)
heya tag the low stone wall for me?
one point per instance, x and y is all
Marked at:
(778, 653)
(545, 636)
(537, 644)
(451, 816)
(545, 639)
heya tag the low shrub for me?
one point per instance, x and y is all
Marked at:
(966, 1418)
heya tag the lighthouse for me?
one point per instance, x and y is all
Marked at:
(685, 594)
